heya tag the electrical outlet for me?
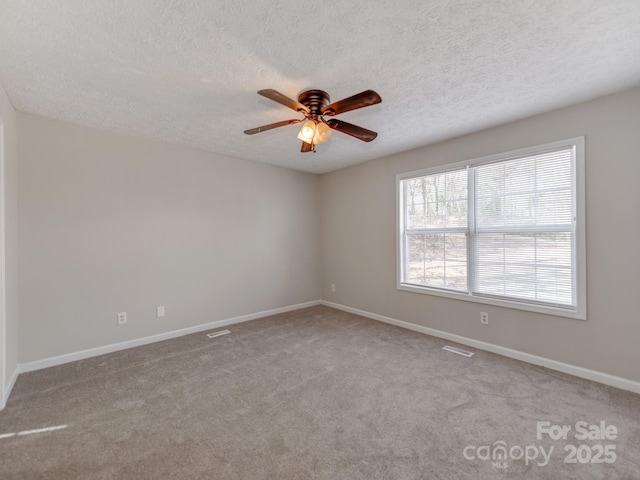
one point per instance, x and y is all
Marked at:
(159, 312)
(484, 318)
(122, 318)
(333, 288)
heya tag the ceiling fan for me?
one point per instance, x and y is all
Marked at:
(314, 105)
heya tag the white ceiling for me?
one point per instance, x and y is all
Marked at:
(188, 71)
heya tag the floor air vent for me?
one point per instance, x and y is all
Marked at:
(219, 333)
(459, 351)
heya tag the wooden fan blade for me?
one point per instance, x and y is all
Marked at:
(272, 125)
(283, 100)
(359, 100)
(353, 130)
(306, 147)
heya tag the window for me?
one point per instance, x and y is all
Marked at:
(506, 230)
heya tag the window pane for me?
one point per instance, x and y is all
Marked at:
(530, 191)
(437, 260)
(531, 266)
(437, 201)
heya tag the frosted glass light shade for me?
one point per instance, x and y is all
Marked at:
(323, 132)
(308, 131)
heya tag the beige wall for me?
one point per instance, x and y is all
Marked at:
(358, 240)
(112, 223)
(9, 191)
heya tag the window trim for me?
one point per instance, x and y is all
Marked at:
(580, 312)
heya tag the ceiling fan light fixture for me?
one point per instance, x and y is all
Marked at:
(323, 132)
(308, 131)
(314, 105)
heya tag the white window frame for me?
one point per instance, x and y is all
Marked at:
(580, 312)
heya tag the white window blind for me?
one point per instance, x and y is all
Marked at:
(502, 229)
(524, 228)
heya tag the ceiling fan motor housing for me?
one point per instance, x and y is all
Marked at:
(315, 101)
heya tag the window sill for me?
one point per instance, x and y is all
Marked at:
(559, 312)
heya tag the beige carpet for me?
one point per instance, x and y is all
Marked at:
(311, 394)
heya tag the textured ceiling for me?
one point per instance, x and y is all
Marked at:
(188, 71)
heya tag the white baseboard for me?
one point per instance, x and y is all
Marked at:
(605, 378)
(93, 352)
(581, 372)
(7, 390)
